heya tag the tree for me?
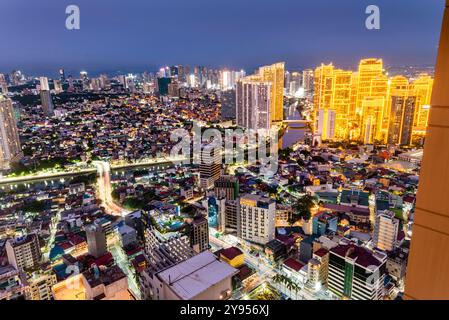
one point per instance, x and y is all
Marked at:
(286, 282)
(302, 207)
(34, 206)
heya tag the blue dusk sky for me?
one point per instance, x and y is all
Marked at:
(138, 35)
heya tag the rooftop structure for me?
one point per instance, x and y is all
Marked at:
(200, 277)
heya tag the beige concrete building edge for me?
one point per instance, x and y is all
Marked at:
(428, 265)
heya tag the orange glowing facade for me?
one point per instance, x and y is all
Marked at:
(332, 101)
(369, 107)
(422, 89)
(275, 75)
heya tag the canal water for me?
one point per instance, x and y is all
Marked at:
(62, 182)
(294, 132)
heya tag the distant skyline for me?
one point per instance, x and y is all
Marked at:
(137, 35)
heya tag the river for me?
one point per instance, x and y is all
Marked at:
(294, 132)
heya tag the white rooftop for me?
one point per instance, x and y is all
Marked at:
(195, 275)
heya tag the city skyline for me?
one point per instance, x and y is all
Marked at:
(238, 35)
(268, 151)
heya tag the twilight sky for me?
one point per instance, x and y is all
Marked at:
(138, 35)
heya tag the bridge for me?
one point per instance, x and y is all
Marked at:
(297, 121)
(42, 176)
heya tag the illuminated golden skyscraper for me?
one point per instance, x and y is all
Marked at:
(401, 111)
(341, 102)
(367, 106)
(275, 74)
(372, 118)
(353, 124)
(369, 69)
(379, 94)
(422, 89)
(332, 91)
(323, 83)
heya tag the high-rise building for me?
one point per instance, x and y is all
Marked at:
(61, 75)
(323, 87)
(332, 101)
(24, 253)
(232, 215)
(260, 98)
(173, 90)
(307, 82)
(163, 85)
(294, 85)
(253, 103)
(275, 75)
(325, 125)
(373, 109)
(401, 112)
(227, 187)
(257, 219)
(368, 107)
(356, 273)
(58, 86)
(226, 81)
(47, 103)
(422, 90)
(10, 150)
(386, 231)
(40, 286)
(13, 284)
(96, 240)
(210, 166)
(374, 113)
(44, 84)
(199, 234)
(84, 80)
(228, 105)
(427, 277)
(369, 69)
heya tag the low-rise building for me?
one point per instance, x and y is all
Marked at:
(356, 273)
(24, 252)
(13, 285)
(233, 256)
(104, 283)
(40, 285)
(257, 219)
(202, 277)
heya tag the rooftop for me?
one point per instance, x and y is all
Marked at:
(190, 278)
(231, 253)
(104, 276)
(362, 256)
(293, 264)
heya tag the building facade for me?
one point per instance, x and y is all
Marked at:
(10, 150)
(257, 219)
